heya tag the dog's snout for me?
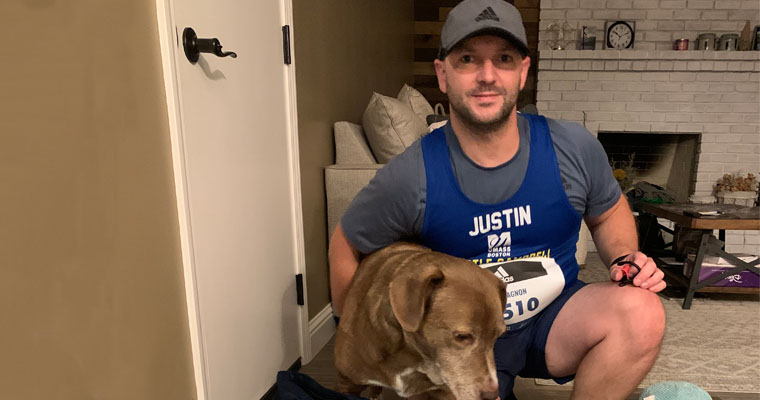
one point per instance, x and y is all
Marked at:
(490, 395)
(490, 391)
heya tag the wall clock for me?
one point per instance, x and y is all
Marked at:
(619, 35)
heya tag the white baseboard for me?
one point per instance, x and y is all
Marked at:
(321, 329)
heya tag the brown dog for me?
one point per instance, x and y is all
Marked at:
(420, 321)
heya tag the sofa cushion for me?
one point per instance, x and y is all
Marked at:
(415, 100)
(351, 145)
(391, 126)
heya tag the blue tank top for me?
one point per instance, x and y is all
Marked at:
(537, 222)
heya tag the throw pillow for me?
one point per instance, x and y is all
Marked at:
(415, 100)
(391, 126)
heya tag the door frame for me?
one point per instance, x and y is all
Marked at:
(169, 39)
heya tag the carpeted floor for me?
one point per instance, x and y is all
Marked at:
(715, 344)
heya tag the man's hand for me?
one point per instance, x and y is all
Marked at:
(648, 276)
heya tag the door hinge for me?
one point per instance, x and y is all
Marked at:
(286, 43)
(299, 289)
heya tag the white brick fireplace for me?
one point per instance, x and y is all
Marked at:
(713, 94)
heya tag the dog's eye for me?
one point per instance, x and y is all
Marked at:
(463, 337)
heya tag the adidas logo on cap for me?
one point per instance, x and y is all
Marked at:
(473, 16)
(488, 13)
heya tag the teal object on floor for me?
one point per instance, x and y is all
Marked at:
(674, 390)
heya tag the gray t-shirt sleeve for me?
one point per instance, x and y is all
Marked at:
(391, 206)
(584, 168)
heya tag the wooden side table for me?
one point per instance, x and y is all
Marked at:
(731, 217)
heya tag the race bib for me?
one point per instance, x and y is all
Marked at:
(532, 284)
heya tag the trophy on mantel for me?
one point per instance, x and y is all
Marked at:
(588, 38)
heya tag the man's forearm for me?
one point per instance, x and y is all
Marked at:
(344, 260)
(614, 232)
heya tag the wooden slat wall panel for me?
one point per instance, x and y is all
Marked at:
(521, 4)
(429, 16)
(427, 27)
(528, 14)
(427, 10)
(424, 68)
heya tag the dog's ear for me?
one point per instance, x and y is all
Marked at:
(502, 292)
(410, 293)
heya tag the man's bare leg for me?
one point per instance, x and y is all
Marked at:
(609, 336)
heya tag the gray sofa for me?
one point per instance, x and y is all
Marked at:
(354, 167)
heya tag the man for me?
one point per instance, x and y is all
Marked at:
(494, 185)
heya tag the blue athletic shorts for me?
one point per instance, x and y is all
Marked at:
(523, 351)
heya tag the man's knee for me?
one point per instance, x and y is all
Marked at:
(643, 318)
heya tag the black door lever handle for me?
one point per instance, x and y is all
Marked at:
(194, 46)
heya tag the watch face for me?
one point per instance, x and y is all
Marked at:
(619, 35)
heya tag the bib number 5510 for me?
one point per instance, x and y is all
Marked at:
(530, 305)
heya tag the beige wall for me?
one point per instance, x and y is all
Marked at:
(344, 50)
(92, 299)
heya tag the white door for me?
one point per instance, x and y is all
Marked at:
(236, 176)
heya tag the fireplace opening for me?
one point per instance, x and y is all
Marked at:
(664, 159)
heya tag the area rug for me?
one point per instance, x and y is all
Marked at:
(715, 344)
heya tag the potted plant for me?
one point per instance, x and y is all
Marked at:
(623, 171)
(736, 189)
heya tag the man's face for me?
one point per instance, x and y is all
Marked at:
(482, 77)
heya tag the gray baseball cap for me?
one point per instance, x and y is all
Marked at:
(472, 17)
